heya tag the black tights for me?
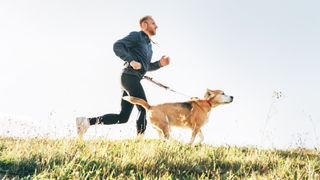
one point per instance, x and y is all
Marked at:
(130, 86)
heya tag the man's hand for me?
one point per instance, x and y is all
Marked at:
(135, 65)
(164, 61)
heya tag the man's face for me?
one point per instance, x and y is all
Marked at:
(150, 26)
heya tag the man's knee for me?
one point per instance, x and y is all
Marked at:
(123, 120)
(124, 116)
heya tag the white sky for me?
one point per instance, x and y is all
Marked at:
(57, 62)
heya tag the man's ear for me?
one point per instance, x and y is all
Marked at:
(144, 25)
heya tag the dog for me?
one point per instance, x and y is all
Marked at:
(191, 114)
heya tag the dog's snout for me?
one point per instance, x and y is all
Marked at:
(231, 98)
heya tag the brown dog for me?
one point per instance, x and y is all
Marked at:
(192, 114)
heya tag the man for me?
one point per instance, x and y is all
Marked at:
(136, 50)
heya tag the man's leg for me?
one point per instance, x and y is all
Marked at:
(122, 117)
(141, 121)
(133, 86)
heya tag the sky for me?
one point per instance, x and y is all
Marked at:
(57, 63)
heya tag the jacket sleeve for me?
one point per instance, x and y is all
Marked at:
(154, 66)
(122, 46)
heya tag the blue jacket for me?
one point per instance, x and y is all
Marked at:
(136, 46)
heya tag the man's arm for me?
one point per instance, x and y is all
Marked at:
(121, 46)
(154, 66)
(164, 61)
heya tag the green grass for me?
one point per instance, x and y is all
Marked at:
(149, 159)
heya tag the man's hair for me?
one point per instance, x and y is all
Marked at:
(143, 19)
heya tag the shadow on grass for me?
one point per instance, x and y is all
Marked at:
(21, 168)
(207, 169)
(27, 167)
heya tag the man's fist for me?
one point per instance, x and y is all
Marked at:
(135, 65)
(165, 60)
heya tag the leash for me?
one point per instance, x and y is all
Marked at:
(164, 86)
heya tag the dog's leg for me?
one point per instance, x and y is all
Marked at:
(163, 130)
(201, 136)
(161, 135)
(194, 134)
(166, 128)
(161, 126)
(166, 132)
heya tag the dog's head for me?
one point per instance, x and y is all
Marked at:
(217, 97)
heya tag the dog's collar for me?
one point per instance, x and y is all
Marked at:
(201, 107)
(209, 103)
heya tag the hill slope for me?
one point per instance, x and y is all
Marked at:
(150, 159)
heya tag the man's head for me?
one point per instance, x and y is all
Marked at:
(148, 25)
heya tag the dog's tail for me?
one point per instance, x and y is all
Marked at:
(138, 101)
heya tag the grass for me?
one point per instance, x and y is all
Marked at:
(149, 159)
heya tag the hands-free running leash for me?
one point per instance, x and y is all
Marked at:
(164, 86)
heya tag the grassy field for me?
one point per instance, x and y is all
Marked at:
(149, 159)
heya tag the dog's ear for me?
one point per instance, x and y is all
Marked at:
(208, 94)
